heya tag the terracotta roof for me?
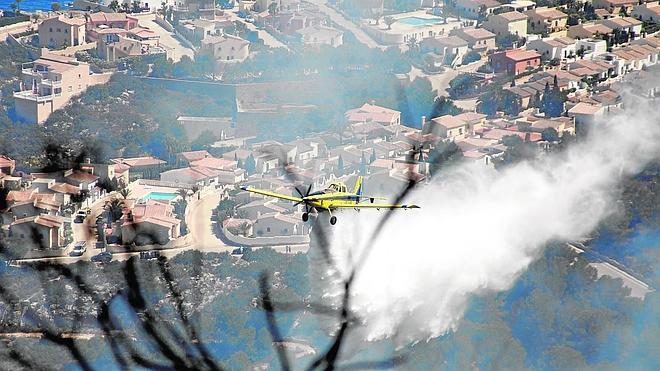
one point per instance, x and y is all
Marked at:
(448, 121)
(72, 21)
(6, 161)
(139, 161)
(512, 16)
(65, 188)
(471, 116)
(521, 55)
(82, 176)
(477, 33)
(194, 173)
(50, 221)
(585, 109)
(194, 155)
(20, 196)
(109, 17)
(547, 13)
(215, 163)
(369, 112)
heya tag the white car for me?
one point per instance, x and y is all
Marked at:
(79, 248)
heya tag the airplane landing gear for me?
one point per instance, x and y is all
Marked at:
(305, 217)
(333, 220)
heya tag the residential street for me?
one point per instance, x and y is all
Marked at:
(167, 39)
(269, 40)
(339, 19)
(198, 219)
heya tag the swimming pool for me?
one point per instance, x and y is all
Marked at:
(418, 21)
(160, 196)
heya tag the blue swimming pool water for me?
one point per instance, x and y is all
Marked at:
(32, 5)
(417, 21)
(160, 196)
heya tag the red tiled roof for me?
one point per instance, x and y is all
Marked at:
(139, 161)
(82, 176)
(521, 55)
(194, 155)
(6, 161)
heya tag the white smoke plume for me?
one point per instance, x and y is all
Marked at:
(478, 229)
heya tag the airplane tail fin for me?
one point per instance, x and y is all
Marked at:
(357, 190)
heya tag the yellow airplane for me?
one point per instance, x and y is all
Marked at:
(333, 197)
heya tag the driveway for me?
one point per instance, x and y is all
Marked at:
(200, 225)
(339, 19)
(269, 40)
(167, 39)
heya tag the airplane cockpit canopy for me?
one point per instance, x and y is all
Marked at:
(336, 187)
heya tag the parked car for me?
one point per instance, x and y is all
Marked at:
(81, 215)
(79, 248)
(153, 254)
(103, 257)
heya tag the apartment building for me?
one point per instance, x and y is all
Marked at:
(47, 85)
(62, 31)
(502, 24)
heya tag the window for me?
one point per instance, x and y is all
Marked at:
(22, 235)
(285, 230)
(66, 30)
(267, 229)
(50, 29)
(70, 88)
(59, 30)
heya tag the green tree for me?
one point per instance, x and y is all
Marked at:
(550, 135)
(417, 100)
(114, 5)
(444, 155)
(389, 21)
(203, 141)
(461, 85)
(340, 166)
(444, 106)
(250, 165)
(272, 8)
(55, 7)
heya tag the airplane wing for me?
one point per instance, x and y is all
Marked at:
(375, 206)
(272, 194)
(342, 196)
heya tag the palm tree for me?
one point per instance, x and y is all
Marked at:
(182, 192)
(389, 21)
(116, 209)
(114, 5)
(18, 6)
(124, 192)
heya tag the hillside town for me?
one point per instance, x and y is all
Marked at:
(522, 76)
(157, 162)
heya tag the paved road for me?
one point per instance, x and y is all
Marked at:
(269, 40)
(167, 38)
(638, 289)
(339, 19)
(200, 225)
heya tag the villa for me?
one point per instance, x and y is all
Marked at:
(49, 83)
(412, 26)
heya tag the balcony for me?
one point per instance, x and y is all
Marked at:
(52, 83)
(29, 95)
